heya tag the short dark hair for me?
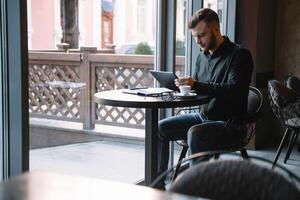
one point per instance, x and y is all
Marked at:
(205, 14)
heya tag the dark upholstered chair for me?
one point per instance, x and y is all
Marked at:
(235, 179)
(255, 100)
(293, 83)
(285, 103)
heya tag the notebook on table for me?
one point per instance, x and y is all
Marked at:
(148, 91)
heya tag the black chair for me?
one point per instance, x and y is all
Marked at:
(255, 101)
(293, 83)
(285, 104)
(237, 179)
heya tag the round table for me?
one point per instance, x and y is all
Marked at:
(151, 104)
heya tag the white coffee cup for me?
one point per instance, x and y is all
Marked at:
(185, 89)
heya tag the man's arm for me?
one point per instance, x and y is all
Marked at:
(239, 77)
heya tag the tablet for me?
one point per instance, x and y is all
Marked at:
(165, 79)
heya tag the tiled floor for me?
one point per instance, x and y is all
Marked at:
(113, 160)
(102, 159)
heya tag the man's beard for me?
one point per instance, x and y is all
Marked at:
(213, 42)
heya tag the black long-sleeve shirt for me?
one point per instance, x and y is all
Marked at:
(225, 75)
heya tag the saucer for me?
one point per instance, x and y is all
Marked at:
(186, 96)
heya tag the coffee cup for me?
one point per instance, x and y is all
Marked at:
(185, 89)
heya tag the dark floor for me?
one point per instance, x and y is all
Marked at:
(116, 161)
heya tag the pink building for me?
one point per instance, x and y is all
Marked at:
(43, 24)
(123, 23)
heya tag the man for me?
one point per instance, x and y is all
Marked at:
(223, 71)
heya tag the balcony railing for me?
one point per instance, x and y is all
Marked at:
(99, 72)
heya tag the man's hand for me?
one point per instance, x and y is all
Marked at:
(186, 80)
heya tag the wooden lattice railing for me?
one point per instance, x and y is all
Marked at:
(99, 72)
(49, 102)
(117, 72)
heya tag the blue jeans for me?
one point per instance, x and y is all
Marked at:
(172, 129)
(200, 133)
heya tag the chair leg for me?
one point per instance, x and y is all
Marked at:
(244, 153)
(216, 156)
(292, 142)
(287, 131)
(182, 155)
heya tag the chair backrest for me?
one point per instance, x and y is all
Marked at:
(234, 179)
(280, 95)
(284, 103)
(255, 101)
(293, 83)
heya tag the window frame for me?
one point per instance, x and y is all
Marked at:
(14, 82)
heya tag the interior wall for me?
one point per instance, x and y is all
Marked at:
(271, 30)
(287, 60)
(246, 26)
(266, 38)
(255, 29)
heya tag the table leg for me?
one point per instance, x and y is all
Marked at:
(151, 137)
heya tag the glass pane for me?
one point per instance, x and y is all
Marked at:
(1, 105)
(181, 23)
(219, 6)
(78, 48)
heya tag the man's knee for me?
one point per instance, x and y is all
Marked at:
(205, 134)
(206, 129)
(196, 132)
(163, 129)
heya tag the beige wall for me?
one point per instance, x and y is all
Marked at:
(287, 61)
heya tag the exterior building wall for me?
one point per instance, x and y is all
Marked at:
(125, 23)
(42, 24)
(88, 23)
(180, 21)
(45, 28)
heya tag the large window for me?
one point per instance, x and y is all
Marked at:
(80, 47)
(219, 6)
(103, 45)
